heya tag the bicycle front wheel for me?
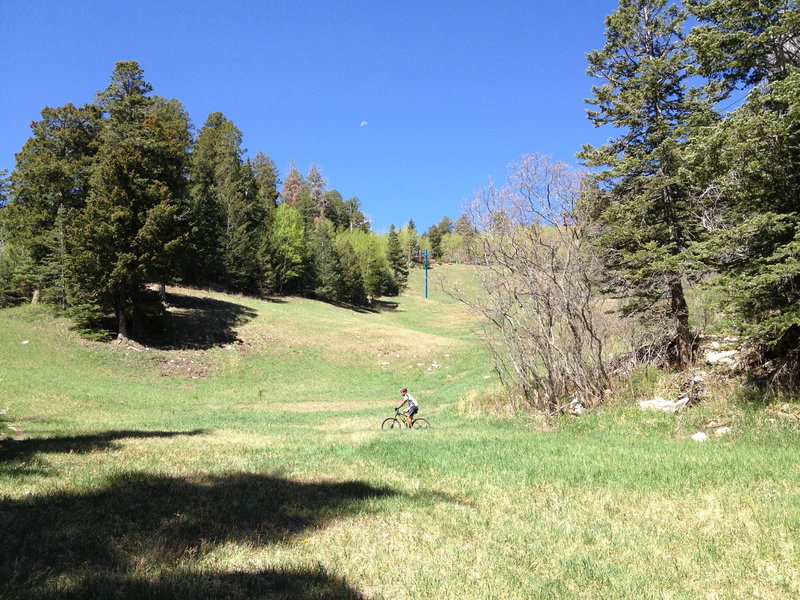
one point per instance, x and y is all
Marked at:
(391, 423)
(420, 423)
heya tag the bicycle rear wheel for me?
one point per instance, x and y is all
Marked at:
(420, 423)
(391, 423)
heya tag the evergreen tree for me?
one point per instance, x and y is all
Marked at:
(746, 42)
(335, 210)
(468, 236)
(129, 227)
(356, 220)
(327, 267)
(49, 185)
(747, 164)
(375, 270)
(266, 175)
(435, 234)
(353, 288)
(646, 213)
(266, 180)
(396, 258)
(225, 217)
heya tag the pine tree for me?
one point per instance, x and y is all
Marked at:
(356, 220)
(49, 187)
(747, 165)
(266, 180)
(226, 209)
(130, 225)
(353, 288)
(645, 210)
(327, 268)
(397, 261)
(468, 237)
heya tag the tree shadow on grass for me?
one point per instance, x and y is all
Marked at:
(377, 307)
(198, 323)
(21, 451)
(314, 584)
(135, 537)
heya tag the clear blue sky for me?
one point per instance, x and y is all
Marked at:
(410, 105)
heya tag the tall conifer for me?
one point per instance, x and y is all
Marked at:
(643, 69)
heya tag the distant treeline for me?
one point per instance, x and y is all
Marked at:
(110, 198)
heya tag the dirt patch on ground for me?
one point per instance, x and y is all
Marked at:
(328, 406)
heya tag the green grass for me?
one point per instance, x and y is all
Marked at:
(262, 472)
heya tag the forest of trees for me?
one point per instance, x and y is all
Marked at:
(113, 199)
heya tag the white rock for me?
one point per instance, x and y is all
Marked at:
(700, 437)
(720, 431)
(724, 357)
(658, 403)
(25, 341)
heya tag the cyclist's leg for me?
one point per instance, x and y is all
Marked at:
(412, 410)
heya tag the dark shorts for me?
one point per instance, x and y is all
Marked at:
(412, 410)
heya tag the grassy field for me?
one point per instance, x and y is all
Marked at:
(240, 456)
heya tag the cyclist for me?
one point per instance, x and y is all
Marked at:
(413, 405)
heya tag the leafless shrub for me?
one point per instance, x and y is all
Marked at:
(539, 309)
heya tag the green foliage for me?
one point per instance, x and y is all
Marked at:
(375, 269)
(396, 258)
(49, 186)
(645, 207)
(436, 233)
(288, 250)
(745, 42)
(353, 288)
(327, 267)
(409, 240)
(129, 228)
(747, 164)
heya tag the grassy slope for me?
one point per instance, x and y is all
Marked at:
(267, 475)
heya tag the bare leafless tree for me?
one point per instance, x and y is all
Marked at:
(539, 309)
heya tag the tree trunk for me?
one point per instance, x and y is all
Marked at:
(683, 343)
(122, 324)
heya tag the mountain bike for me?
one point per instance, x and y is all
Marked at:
(398, 421)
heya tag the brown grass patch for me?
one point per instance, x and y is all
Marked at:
(328, 406)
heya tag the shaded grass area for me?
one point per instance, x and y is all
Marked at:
(15, 455)
(133, 535)
(199, 322)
